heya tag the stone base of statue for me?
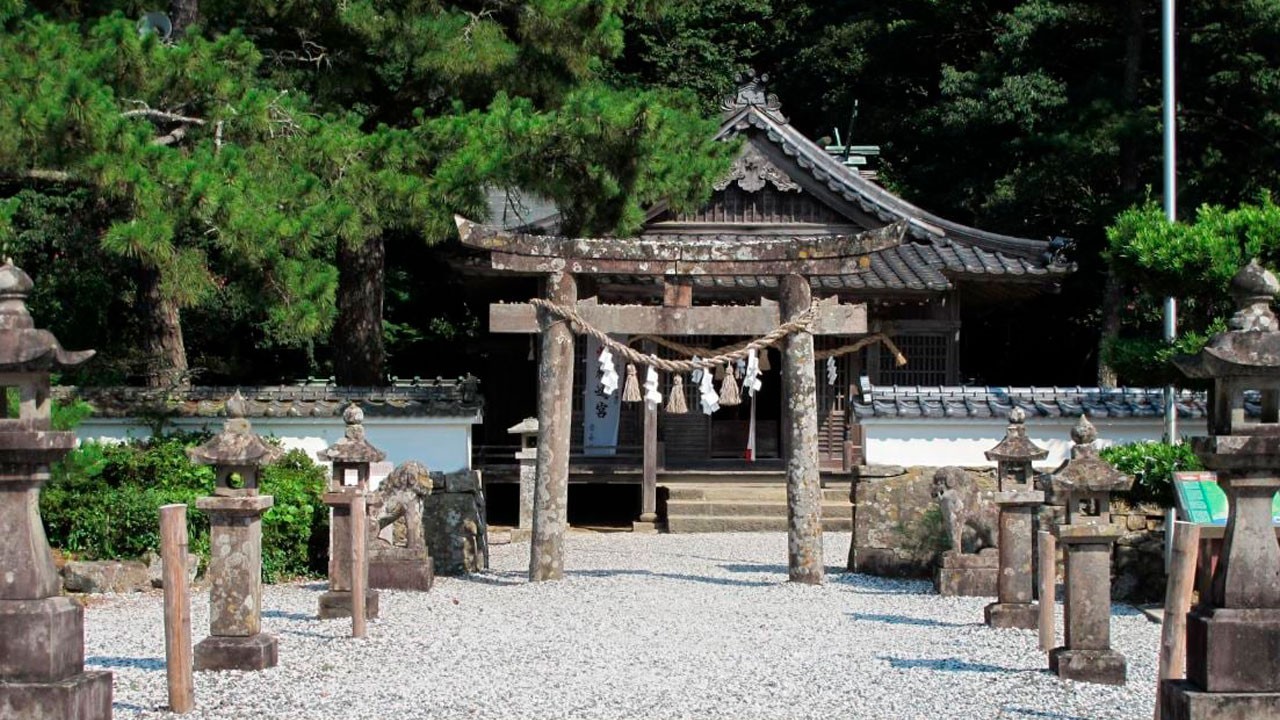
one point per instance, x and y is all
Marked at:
(42, 663)
(397, 568)
(84, 696)
(968, 574)
(1105, 667)
(221, 652)
(1180, 700)
(1020, 616)
(1234, 650)
(337, 604)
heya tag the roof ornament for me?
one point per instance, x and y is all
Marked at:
(753, 92)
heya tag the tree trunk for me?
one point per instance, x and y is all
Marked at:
(182, 13)
(359, 357)
(1113, 293)
(162, 334)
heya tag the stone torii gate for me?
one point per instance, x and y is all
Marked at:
(792, 260)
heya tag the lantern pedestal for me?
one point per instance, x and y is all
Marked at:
(1087, 654)
(1016, 583)
(84, 696)
(336, 603)
(235, 639)
(1181, 700)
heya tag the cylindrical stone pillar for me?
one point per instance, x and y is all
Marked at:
(555, 417)
(800, 416)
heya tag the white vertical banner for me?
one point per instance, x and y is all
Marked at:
(600, 409)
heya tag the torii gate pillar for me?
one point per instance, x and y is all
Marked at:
(555, 418)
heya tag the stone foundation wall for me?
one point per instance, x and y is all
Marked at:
(898, 533)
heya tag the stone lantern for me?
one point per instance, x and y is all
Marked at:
(1087, 537)
(1233, 634)
(1018, 500)
(237, 454)
(42, 673)
(527, 456)
(351, 457)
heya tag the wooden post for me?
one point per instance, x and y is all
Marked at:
(649, 483)
(555, 415)
(359, 565)
(800, 420)
(177, 608)
(1177, 602)
(1048, 546)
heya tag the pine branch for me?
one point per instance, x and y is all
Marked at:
(162, 115)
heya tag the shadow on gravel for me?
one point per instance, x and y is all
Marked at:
(113, 661)
(951, 665)
(907, 620)
(1043, 715)
(495, 578)
(673, 576)
(286, 615)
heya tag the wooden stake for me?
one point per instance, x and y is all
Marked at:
(359, 566)
(555, 418)
(800, 431)
(1048, 546)
(177, 608)
(1177, 602)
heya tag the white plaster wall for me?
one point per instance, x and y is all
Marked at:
(936, 443)
(441, 443)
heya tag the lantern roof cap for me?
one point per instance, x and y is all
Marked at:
(1016, 446)
(527, 426)
(237, 444)
(23, 347)
(354, 447)
(1085, 470)
(1251, 347)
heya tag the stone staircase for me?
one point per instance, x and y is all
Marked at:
(724, 507)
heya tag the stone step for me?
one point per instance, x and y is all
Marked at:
(741, 523)
(763, 509)
(732, 493)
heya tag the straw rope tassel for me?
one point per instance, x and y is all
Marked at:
(631, 390)
(676, 404)
(729, 389)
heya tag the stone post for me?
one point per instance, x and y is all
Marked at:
(800, 423)
(1087, 538)
(1233, 634)
(555, 416)
(1018, 501)
(351, 457)
(527, 457)
(236, 640)
(42, 673)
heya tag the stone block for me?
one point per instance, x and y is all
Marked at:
(644, 528)
(40, 640)
(105, 576)
(84, 696)
(453, 527)
(1180, 700)
(968, 575)
(256, 652)
(155, 569)
(1105, 667)
(337, 604)
(1234, 650)
(1020, 616)
(401, 574)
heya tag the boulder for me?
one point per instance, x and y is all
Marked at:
(105, 576)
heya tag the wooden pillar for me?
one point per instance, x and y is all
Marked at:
(800, 416)
(555, 415)
(174, 544)
(649, 481)
(359, 565)
(1048, 547)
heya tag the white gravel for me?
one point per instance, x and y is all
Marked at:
(661, 626)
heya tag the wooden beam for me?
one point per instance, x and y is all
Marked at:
(745, 320)
(512, 262)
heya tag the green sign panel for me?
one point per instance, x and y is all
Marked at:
(1201, 501)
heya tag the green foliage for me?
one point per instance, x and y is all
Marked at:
(1151, 465)
(102, 502)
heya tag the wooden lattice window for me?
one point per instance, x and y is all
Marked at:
(927, 358)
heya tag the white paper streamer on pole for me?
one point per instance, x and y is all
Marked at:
(751, 376)
(831, 371)
(608, 373)
(651, 393)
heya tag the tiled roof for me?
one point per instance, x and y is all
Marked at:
(421, 398)
(897, 401)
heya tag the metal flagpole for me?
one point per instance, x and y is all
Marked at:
(1170, 199)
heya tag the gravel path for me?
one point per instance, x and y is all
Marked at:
(657, 626)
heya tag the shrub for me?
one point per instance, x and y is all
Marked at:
(1151, 465)
(102, 503)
